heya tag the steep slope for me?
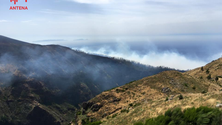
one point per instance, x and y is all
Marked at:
(153, 95)
(62, 69)
(50, 81)
(212, 72)
(27, 101)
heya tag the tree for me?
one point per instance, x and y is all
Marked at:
(180, 97)
(202, 68)
(209, 76)
(216, 78)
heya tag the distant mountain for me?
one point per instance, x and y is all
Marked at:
(152, 96)
(46, 83)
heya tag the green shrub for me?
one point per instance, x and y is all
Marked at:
(120, 90)
(168, 113)
(131, 104)
(124, 110)
(172, 123)
(209, 76)
(207, 71)
(78, 113)
(139, 123)
(114, 115)
(150, 122)
(137, 104)
(202, 69)
(203, 92)
(190, 116)
(166, 99)
(216, 79)
(180, 97)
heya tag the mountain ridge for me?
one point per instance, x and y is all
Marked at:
(48, 80)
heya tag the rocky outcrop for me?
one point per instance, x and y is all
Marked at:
(87, 105)
(96, 107)
(166, 90)
(219, 105)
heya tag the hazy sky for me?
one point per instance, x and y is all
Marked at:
(175, 31)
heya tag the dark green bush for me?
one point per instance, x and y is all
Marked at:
(139, 123)
(204, 92)
(137, 104)
(216, 79)
(209, 76)
(120, 90)
(150, 122)
(124, 110)
(180, 97)
(190, 116)
(166, 99)
(131, 104)
(113, 116)
(202, 69)
(168, 113)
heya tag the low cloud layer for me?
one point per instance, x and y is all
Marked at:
(179, 56)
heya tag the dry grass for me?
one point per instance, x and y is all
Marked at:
(147, 93)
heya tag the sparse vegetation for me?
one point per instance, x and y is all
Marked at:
(190, 116)
(216, 79)
(180, 97)
(131, 104)
(113, 116)
(78, 113)
(203, 92)
(185, 92)
(5, 121)
(92, 123)
(131, 82)
(137, 104)
(124, 110)
(167, 99)
(207, 71)
(209, 77)
(202, 69)
(120, 90)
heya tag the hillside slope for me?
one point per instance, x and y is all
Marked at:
(153, 95)
(63, 69)
(52, 80)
